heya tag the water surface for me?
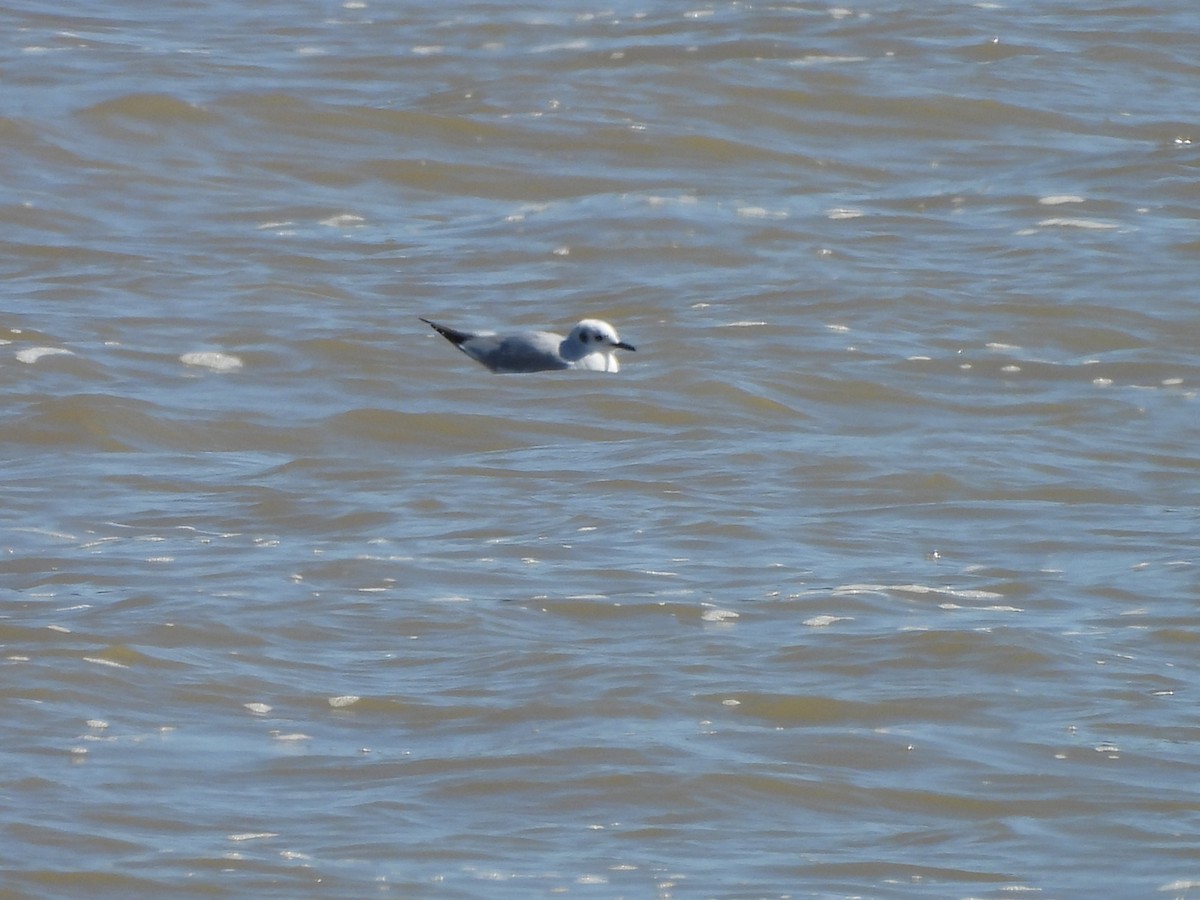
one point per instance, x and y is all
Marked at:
(872, 574)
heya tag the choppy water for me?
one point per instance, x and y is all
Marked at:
(873, 573)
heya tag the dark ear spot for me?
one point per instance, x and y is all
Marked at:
(583, 336)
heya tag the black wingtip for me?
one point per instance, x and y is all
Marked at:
(452, 335)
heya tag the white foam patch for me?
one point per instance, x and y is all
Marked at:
(818, 60)
(212, 360)
(957, 593)
(961, 593)
(343, 220)
(826, 621)
(30, 355)
(1092, 224)
(761, 212)
(99, 661)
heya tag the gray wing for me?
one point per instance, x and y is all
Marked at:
(535, 351)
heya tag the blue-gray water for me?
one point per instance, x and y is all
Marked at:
(872, 574)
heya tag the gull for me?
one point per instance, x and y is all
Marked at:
(590, 345)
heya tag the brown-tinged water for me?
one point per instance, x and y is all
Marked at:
(872, 574)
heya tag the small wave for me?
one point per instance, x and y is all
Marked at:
(30, 355)
(212, 360)
(149, 107)
(1092, 224)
